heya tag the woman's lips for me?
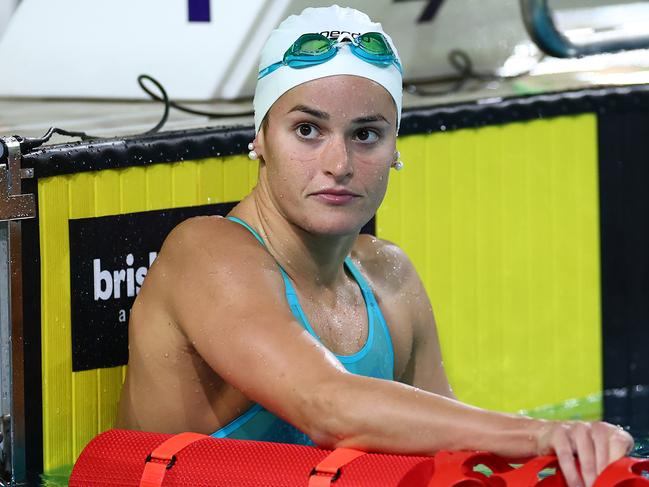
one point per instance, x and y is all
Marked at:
(335, 197)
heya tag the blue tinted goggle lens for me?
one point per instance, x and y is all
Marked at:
(375, 43)
(309, 45)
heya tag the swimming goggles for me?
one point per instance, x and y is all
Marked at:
(312, 49)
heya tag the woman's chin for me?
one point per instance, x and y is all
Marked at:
(335, 225)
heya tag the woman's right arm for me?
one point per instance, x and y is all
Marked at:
(230, 302)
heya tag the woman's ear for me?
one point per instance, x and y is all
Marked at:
(260, 144)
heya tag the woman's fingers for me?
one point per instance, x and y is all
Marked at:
(596, 445)
(600, 438)
(620, 443)
(585, 448)
(563, 448)
(611, 443)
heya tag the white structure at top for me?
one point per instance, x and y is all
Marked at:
(96, 49)
(7, 8)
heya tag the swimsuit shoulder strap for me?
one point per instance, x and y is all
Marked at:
(290, 290)
(250, 229)
(362, 283)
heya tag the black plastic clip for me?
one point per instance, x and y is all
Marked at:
(170, 463)
(335, 476)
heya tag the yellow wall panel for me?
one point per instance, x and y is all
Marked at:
(132, 189)
(85, 409)
(109, 385)
(185, 184)
(107, 194)
(159, 187)
(79, 405)
(238, 178)
(55, 312)
(85, 399)
(502, 224)
(210, 181)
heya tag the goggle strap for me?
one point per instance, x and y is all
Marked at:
(266, 71)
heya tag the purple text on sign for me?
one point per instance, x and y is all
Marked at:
(199, 10)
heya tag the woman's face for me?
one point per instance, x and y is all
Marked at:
(327, 149)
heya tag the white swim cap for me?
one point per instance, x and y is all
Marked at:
(331, 22)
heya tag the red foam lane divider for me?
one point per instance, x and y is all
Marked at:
(528, 474)
(626, 472)
(127, 458)
(118, 458)
(455, 469)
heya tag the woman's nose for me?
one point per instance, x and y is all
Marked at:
(337, 159)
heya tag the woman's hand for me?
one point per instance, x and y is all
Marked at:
(596, 445)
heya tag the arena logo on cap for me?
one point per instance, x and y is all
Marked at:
(335, 34)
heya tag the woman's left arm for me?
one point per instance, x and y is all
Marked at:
(425, 368)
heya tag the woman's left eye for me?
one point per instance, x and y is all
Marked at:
(367, 135)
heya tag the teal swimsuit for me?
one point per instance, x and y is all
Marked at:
(375, 359)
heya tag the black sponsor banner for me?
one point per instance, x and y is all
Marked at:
(109, 258)
(624, 210)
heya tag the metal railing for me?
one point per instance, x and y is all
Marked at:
(14, 206)
(542, 28)
(5, 356)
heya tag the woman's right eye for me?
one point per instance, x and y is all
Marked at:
(307, 131)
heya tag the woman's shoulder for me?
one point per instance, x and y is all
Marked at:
(384, 263)
(208, 243)
(212, 232)
(198, 228)
(210, 259)
(369, 248)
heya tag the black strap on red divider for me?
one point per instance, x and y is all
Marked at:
(328, 470)
(164, 457)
